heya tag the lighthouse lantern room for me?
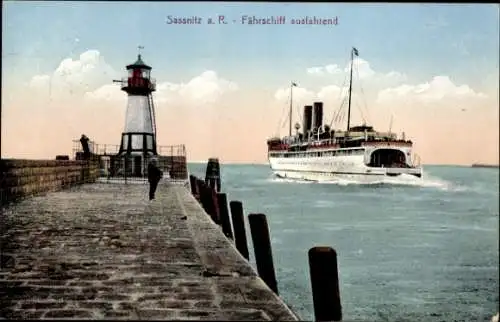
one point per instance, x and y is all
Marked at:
(138, 142)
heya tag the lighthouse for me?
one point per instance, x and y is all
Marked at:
(138, 141)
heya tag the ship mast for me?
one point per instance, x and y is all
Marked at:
(292, 85)
(354, 51)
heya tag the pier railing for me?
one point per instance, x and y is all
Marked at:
(113, 168)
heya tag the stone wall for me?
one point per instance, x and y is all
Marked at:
(23, 178)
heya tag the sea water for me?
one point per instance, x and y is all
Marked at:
(408, 249)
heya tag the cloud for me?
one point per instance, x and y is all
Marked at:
(439, 88)
(300, 95)
(91, 77)
(331, 95)
(330, 92)
(108, 92)
(39, 81)
(387, 87)
(206, 88)
(362, 70)
(87, 73)
(328, 69)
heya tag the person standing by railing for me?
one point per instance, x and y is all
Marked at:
(154, 176)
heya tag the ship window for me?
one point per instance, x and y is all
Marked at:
(387, 158)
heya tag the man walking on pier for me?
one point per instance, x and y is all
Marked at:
(154, 176)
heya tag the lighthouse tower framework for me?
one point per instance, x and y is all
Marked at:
(138, 141)
(129, 159)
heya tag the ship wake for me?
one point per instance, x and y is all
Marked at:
(401, 180)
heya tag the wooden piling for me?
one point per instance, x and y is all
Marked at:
(262, 248)
(238, 219)
(215, 212)
(195, 189)
(224, 215)
(199, 187)
(325, 284)
(205, 197)
(192, 184)
(212, 174)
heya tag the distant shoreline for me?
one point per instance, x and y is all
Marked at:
(481, 165)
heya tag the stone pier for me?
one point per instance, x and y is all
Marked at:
(103, 251)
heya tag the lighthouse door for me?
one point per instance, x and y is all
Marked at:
(138, 166)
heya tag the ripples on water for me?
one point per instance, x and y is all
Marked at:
(408, 249)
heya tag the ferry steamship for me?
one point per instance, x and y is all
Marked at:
(320, 153)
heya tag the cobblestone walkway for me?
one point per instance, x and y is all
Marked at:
(103, 251)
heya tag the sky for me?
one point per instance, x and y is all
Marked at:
(428, 70)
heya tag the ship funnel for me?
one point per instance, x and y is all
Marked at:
(317, 115)
(307, 120)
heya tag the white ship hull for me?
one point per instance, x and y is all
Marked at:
(327, 168)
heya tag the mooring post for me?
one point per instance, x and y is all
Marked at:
(209, 202)
(224, 215)
(208, 172)
(212, 174)
(196, 188)
(240, 237)
(204, 197)
(199, 187)
(192, 184)
(325, 284)
(217, 183)
(215, 207)
(262, 248)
